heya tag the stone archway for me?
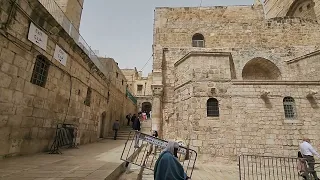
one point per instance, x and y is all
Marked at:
(260, 69)
(146, 107)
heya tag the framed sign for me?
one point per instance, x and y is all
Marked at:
(38, 37)
(60, 55)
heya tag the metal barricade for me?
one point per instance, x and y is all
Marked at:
(268, 168)
(150, 149)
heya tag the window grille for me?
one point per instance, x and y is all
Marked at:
(289, 108)
(40, 71)
(197, 43)
(198, 40)
(212, 107)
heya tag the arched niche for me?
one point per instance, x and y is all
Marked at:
(260, 69)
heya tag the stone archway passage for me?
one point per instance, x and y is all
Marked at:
(146, 107)
(260, 69)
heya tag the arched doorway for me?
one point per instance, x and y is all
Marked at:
(102, 124)
(146, 107)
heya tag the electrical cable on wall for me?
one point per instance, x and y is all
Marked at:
(147, 62)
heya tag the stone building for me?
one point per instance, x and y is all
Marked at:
(47, 78)
(141, 88)
(238, 79)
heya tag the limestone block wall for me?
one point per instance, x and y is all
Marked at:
(243, 32)
(29, 113)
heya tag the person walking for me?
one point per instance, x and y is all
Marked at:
(137, 127)
(308, 152)
(115, 128)
(128, 119)
(133, 118)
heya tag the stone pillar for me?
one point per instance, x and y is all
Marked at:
(157, 109)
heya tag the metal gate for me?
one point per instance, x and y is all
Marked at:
(252, 167)
(149, 148)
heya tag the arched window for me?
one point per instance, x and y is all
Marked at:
(289, 108)
(212, 107)
(40, 71)
(197, 40)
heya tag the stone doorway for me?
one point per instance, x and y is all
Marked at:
(146, 107)
(102, 124)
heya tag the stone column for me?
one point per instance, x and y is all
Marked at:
(157, 109)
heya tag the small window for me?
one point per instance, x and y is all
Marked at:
(40, 71)
(300, 9)
(87, 101)
(212, 107)
(139, 87)
(122, 82)
(108, 97)
(197, 40)
(117, 74)
(289, 108)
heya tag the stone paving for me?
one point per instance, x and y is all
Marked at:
(90, 162)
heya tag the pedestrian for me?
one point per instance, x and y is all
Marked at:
(137, 128)
(115, 128)
(168, 166)
(137, 124)
(133, 119)
(307, 152)
(128, 119)
(302, 166)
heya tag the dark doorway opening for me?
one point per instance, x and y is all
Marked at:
(146, 107)
(102, 124)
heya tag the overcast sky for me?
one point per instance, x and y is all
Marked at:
(123, 29)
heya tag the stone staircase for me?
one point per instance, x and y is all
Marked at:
(123, 133)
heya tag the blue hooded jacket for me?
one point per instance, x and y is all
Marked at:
(168, 167)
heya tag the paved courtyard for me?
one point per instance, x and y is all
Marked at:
(90, 162)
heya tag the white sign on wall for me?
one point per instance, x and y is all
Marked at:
(38, 37)
(60, 55)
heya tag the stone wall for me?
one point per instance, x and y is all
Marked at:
(29, 113)
(263, 53)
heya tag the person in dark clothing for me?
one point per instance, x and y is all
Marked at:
(136, 124)
(115, 128)
(128, 118)
(133, 118)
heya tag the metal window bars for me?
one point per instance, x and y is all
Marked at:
(197, 43)
(40, 71)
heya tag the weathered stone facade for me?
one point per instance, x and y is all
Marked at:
(140, 87)
(248, 64)
(77, 93)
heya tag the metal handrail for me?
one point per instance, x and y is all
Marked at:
(54, 9)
